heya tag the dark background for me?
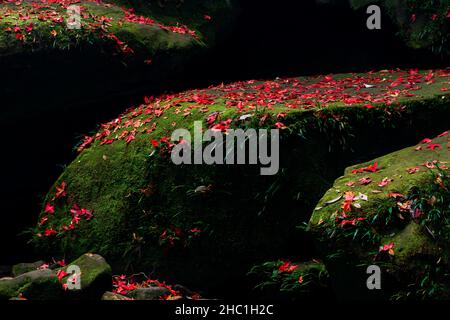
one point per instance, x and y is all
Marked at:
(270, 39)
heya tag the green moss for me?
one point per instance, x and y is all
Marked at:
(136, 193)
(22, 268)
(418, 242)
(411, 243)
(95, 277)
(35, 285)
(144, 40)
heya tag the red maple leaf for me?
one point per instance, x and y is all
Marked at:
(49, 232)
(61, 274)
(195, 230)
(413, 170)
(287, 267)
(387, 248)
(347, 206)
(384, 182)
(280, 125)
(29, 27)
(61, 263)
(369, 168)
(395, 195)
(49, 208)
(61, 190)
(106, 141)
(433, 146)
(365, 181)
(43, 220)
(154, 143)
(130, 138)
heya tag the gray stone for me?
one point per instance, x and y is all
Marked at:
(113, 296)
(95, 276)
(22, 268)
(34, 285)
(151, 293)
(183, 290)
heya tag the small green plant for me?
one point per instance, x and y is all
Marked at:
(288, 277)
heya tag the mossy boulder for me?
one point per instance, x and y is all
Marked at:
(94, 274)
(90, 271)
(34, 285)
(47, 26)
(127, 49)
(207, 225)
(74, 78)
(391, 212)
(22, 268)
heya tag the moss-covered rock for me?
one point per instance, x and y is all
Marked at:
(391, 212)
(202, 225)
(94, 276)
(46, 26)
(22, 268)
(114, 49)
(73, 78)
(127, 49)
(34, 285)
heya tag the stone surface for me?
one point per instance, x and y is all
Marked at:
(234, 223)
(94, 274)
(109, 296)
(151, 293)
(34, 285)
(395, 225)
(22, 268)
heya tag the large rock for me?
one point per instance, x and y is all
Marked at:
(205, 226)
(110, 296)
(34, 285)
(75, 77)
(94, 274)
(390, 212)
(150, 293)
(24, 267)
